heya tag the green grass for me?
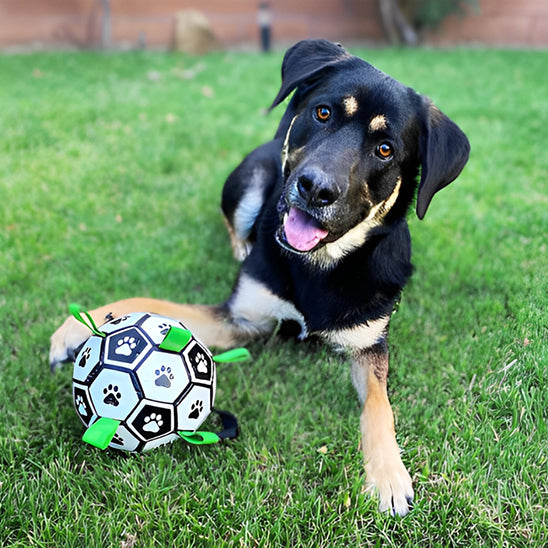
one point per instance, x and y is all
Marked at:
(111, 168)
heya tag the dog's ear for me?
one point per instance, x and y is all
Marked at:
(305, 61)
(444, 151)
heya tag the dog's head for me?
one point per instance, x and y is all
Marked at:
(354, 143)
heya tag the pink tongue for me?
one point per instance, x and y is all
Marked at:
(302, 231)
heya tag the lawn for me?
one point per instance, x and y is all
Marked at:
(111, 167)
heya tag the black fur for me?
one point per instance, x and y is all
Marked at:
(339, 158)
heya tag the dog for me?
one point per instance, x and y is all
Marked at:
(317, 216)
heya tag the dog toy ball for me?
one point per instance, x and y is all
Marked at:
(143, 380)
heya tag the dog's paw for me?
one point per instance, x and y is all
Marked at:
(66, 342)
(389, 480)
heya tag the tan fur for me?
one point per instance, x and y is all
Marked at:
(245, 214)
(378, 123)
(240, 248)
(385, 472)
(350, 105)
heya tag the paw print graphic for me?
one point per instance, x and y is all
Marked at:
(117, 439)
(81, 405)
(126, 346)
(164, 328)
(196, 409)
(85, 357)
(153, 422)
(112, 395)
(164, 376)
(201, 364)
(119, 320)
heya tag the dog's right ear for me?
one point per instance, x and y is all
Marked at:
(444, 150)
(304, 62)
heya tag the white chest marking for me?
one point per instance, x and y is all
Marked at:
(361, 336)
(256, 307)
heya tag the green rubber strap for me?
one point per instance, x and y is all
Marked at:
(101, 432)
(200, 438)
(235, 355)
(176, 339)
(229, 431)
(76, 310)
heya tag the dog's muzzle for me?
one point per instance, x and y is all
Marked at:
(309, 192)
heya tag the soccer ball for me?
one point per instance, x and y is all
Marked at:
(154, 390)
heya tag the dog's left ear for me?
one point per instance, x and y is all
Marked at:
(305, 61)
(444, 150)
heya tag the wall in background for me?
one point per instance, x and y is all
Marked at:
(77, 23)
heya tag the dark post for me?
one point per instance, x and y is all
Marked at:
(264, 21)
(106, 25)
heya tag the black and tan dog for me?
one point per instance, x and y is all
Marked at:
(318, 218)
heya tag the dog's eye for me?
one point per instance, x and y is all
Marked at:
(384, 151)
(323, 113)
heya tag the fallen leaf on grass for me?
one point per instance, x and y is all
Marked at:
(130, 541)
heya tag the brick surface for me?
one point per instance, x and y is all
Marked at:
(77, 22)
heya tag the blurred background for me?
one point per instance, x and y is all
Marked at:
(200, 26)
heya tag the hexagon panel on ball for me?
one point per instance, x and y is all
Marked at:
(88, 358)
(113, 393)
(157, 327)
(125, 440)
(163, 376)
(135, 318)
(194, 408)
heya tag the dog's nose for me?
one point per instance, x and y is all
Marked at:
(316, 189)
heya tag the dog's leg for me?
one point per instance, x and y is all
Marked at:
(385, 471)
(208, 323)
(252, 311)
(245, 192)
(241, 247)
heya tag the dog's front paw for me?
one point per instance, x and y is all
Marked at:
(387, 476)
(66, 342)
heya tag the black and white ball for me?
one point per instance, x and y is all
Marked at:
(153, 392)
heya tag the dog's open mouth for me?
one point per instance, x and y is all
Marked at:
(302, 232)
